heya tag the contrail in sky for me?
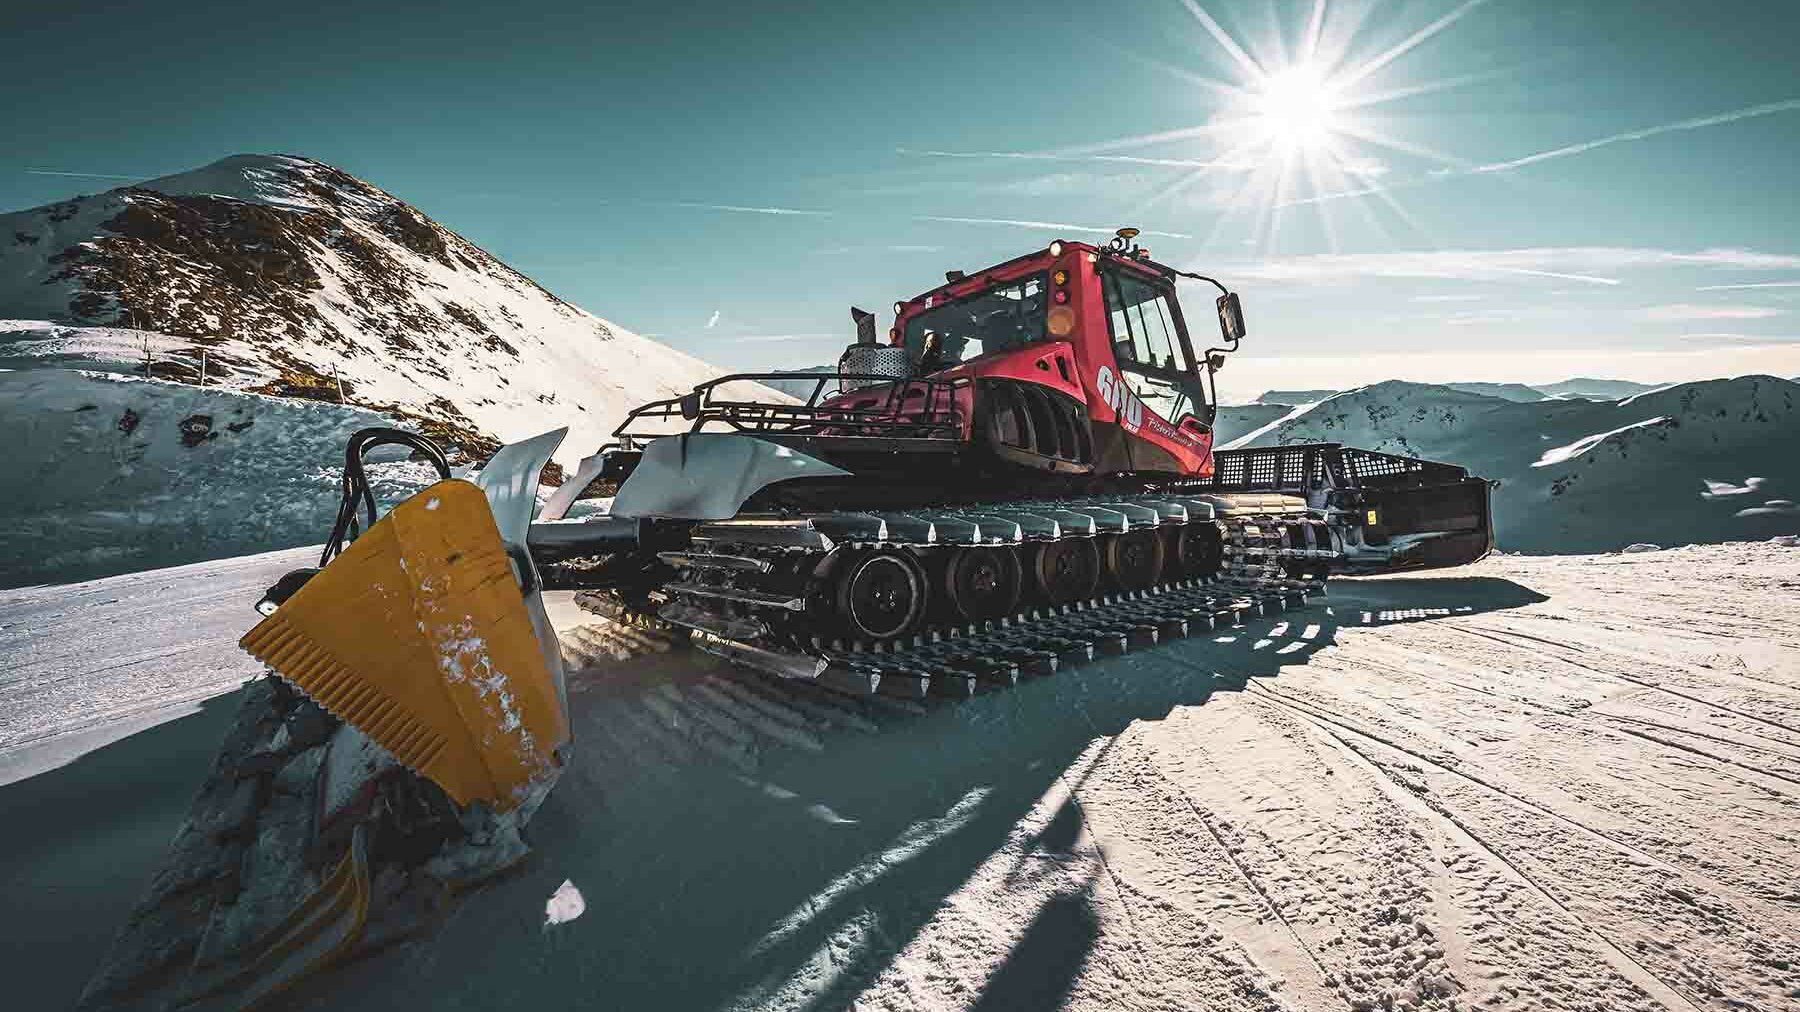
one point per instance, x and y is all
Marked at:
(1758, 284)
(1051, 225)
(742, 209)
(79, 175)
(1045, 156)
(1589, 278)
(1750, 112)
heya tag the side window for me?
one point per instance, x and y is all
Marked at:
(1159, 330)
(1152, 360)
(998, 319)
(1143, 327)
(1118, 317)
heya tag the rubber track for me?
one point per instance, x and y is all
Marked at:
(949, 660)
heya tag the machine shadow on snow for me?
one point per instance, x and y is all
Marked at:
(793, 879)
(84, 840)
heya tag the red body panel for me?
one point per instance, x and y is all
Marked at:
(1080, 364)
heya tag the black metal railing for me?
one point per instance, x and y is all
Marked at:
(1309, 467)
(883, 406)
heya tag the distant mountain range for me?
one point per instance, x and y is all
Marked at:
(1705, 461)
(293, 278)
(1591, 389)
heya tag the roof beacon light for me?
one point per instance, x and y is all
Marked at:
(1121, 242)
(1056, 248)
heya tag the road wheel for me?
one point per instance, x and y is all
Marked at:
(982, 583)
(881, 595)
(1134, 560)
(1066, 570)
(1195, 550)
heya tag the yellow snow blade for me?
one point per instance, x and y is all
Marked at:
(417, 635)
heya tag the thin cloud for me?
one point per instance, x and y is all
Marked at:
(777, 338)
(1559, 276)
(1046, 156)
(1757, 284)
(1439, 174)
(1452, 265)
(1690, 311)
(78, 175)
(1052, 226)
(1749, 112)
(713, 320)
(1738, 259)
(1446, 298)
(896, 248)
(1593, 265)
(746, 209)
(1752, 339)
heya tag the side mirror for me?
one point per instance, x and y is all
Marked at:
(1231, 317)
(690, 406)
(865, 325)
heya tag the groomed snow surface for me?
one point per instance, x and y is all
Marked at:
(1538, 782)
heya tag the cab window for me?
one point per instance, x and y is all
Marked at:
(1143, 324)
(1149, 345)
(1001, 318)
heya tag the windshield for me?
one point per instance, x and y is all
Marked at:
(1151, 351)
(997, 319)
(1143, 326)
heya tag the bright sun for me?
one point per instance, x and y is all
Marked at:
(1296, 108)
(1295, 121)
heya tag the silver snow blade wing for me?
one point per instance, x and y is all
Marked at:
(709, 475)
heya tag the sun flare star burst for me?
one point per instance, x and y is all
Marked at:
(1296, 108)
(1293, 126)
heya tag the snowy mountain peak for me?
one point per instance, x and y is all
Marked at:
(296, 278)
(289, 181)
(1584, 475)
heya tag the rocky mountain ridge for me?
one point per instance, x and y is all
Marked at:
(287, 276)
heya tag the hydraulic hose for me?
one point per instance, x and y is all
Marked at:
(355, 486)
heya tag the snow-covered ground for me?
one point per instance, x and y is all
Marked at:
(109, 473)
(1539, 782)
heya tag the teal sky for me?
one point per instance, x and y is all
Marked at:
(646, 161)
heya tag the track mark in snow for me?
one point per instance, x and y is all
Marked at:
(1258, 690)
(1625, 963)
(1578, 716)
(1498, 637)
(1249, 879)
